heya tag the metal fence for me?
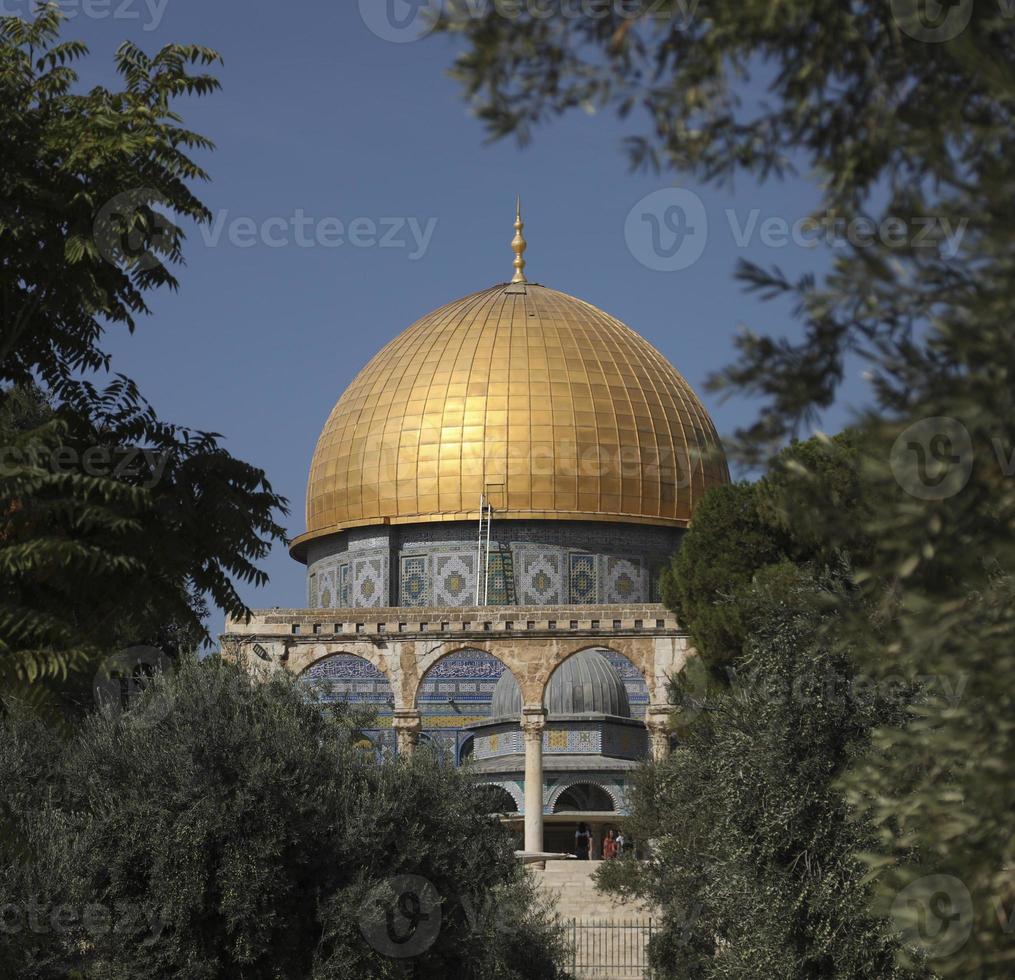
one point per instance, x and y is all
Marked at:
(605, 950)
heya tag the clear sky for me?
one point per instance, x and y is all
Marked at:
(321, 122)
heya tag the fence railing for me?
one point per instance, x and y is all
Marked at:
(607, 950)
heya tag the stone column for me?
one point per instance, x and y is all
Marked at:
(407, 725)
(533, 723)
(657, 720)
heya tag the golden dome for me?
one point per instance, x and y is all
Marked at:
(551, 407)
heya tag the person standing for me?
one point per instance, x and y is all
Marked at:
(620, 843)
(610, 847)
(582, 842)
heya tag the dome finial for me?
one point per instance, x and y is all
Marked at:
(518, 244)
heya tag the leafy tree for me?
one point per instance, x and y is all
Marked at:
(718, 557)
(754, 861)
(900, 121)
(226, 828)
(740, 529)
(116, 525)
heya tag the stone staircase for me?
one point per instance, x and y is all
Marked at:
(571, 886)
(608, 937)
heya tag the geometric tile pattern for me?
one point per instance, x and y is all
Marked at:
(541, 584)
(583, 579)
(414, 589)
(368, 583)
(575, 741)
(455, 580)
(499, 743)
(623, 580)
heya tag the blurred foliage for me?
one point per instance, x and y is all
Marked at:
(225, 827)
(117, 526)
(892, 128)
(753, 848)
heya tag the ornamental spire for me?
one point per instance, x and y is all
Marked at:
(518, 245)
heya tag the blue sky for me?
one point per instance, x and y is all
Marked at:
(321, 121)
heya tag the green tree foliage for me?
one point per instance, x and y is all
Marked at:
(900, 122)
(718, 557)
(226, 828)
(116, 525)
(742, 528)
(754, 861)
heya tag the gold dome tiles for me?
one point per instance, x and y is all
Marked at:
(567, 410)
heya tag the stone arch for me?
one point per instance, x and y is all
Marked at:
(355, 680)
(455, 690)
(640, 662)
(320, 652)
(608, 791)
(510, 792)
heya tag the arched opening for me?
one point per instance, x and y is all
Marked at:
(454, 693)
(466, 748)
(497, 799)
(346, 679)
(584, 798)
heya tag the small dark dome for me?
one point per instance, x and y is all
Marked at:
(587, 683)
(507, 698)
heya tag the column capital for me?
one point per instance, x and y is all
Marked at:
(408, 719)
(658, 724)
(407, 724)
(533, 719)
(657, 716)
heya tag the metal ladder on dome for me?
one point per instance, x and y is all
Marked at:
(483, 563)
(503, 563)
